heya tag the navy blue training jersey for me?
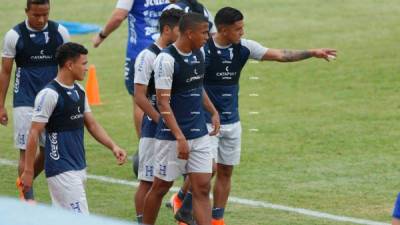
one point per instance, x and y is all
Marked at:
(35, 59)
(65, 132)
(221, 82)
(186, 98)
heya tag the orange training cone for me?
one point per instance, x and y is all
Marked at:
(92, 87)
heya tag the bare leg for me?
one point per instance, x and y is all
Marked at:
(153, 200)
(395, 221)
(144, 187)
(39, 162)
(201, 199)
(21, 162)
(222, 185)
(186, 185)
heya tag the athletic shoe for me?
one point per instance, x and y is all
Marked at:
(175, 203)
(18, 184)
(185, 216)
(21, 193)
(217, 221)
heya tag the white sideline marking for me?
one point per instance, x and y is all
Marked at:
(242, 201)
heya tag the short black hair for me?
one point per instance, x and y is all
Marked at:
(69, 51)
(38, 2)
(191, 20)
(227, 16)
(170, 18)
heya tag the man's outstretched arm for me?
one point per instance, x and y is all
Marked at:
(286, 55)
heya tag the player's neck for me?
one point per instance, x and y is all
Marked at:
(65, 77)
(163, 42)
(183, 45)
(221, 40)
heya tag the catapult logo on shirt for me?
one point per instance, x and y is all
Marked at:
(226, 75)
(42, 56)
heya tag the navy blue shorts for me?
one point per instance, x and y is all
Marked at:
(129, 75)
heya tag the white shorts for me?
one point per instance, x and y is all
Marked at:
(226, 145)
(67, 190)
(167, 165)
(146, 159)
(22, 125)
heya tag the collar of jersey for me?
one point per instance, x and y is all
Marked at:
(34, 30)
(63, 85)
(181, 53)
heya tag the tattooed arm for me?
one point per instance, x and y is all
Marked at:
(285, 55)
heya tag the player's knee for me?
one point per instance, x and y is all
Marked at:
(224, 171)
(201, 188)
(161, 188)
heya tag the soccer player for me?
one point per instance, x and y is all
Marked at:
(195, 6)
(32, 45)
(182, 140)
(145, 98)
(63, 110)
(143, 16)
(226, 55)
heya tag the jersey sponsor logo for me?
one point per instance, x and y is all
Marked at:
(141, 64)
(17, 80)
(132, 32)
(77, 116)
(151, 22)
(54, 154)
(42, 56)
(227, 75)
(155, 2)
(194, 78)
(127, 69)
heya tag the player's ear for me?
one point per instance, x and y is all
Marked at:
(68, 65)
(167, 29)
(188, 33)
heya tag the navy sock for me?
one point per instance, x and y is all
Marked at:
(29, 195)
(187, 202)
(218, 213)
(139, 219)
(181, 194)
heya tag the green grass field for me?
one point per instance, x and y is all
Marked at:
(327, 134)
